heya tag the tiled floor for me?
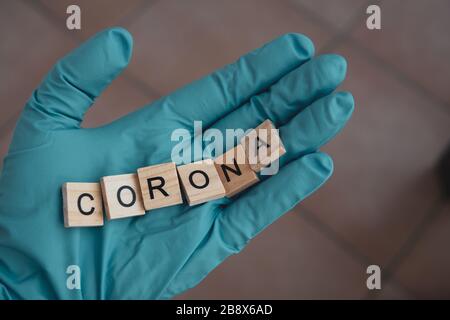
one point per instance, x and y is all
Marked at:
(382, 205)
(290, 260)
(425, 269)
(415, 41)
(96, 15)
(120, 98)
(383, 160)
(24, 66)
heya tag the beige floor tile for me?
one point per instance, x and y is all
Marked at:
(383, 181)
(414, 38)
(289, 260)
(179, 41)
(426, 271)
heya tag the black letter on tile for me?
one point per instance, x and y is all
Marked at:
(236, 170)
(119, 198)
(86, 213)
(162, 182)
(191, 179)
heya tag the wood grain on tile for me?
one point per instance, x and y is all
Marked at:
(234, 171)
(82, 204)
(122, 196)
(201, 182)
(262, 146)
(160, 186)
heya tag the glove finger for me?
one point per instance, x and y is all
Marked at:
(249, 215)
(290, 95)
(76, 80)
(257, 208)
(316, 125)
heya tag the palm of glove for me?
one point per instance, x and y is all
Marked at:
(171, 249)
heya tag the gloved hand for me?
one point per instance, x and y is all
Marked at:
(171, 249)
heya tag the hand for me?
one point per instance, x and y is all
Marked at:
(171, 249)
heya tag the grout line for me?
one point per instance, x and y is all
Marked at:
(346, 246)
(141, 85)
(400, 75)
(140, 9)
(311, 219)
(342, 32)
(128, 75)
(9, 124)
(311, 15)
(410, 243)
(345, 35)
(51, 17)
(342, 36)
(325, 229)
(44, 11)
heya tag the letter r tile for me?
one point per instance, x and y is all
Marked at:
(159, 185)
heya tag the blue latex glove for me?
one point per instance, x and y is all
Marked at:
(172, 249)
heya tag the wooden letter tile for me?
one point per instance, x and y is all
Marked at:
(159, 186)
(122, 196)
(234, 171)
(262, 146)
(82, 204)
(200, 182)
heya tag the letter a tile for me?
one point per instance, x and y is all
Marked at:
(262, 146)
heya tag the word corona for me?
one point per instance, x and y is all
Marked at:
(162, 185)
